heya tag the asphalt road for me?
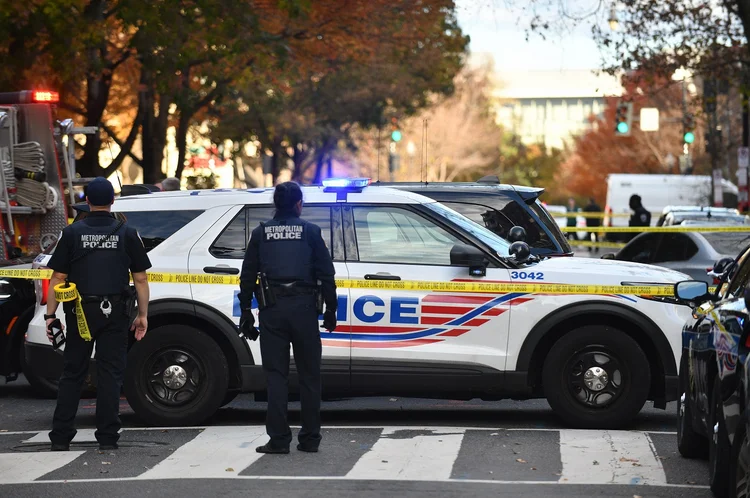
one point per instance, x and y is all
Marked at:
(371, 447)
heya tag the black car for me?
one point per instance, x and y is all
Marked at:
(17, 300)
(499, 207)
(713, 377)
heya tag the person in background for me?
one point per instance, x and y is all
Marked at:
(641, 217)
(169, 184)
(571, 210)
(594, 222)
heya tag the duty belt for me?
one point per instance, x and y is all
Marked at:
(292, 289)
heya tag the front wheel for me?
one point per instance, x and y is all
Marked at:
(739, 467)
(718, 445)
(177, 375)
(596, 377)
(689, 443)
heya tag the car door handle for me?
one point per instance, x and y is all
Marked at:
(228, 270)
(381, 276)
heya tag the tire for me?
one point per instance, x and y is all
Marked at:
(718, 446)
(739, 466)
(689, 443)
(44, 388)
(582, 350)
(195, 386)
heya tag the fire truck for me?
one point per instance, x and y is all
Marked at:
(38, 186)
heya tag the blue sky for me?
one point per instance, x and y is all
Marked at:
(497, 30)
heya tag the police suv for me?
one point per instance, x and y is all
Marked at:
(596, 358)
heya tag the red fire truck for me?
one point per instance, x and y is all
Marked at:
(38, 186)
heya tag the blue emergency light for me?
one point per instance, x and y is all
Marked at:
(345, 183)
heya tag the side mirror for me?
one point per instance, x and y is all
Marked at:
(520, 251)
(609, 255)
(691, 291)
(517, 234)
(463, 255)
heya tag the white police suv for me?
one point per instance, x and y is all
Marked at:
(596, 358)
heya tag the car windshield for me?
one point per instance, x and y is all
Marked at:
(727, 243)
(498, 244)
(548, 222)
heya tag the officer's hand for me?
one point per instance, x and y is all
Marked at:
(140, 325)
(50, 321)
(247, 325)
(329, 320)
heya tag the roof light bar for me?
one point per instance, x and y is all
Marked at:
(45, 96)
(346, 183)
(29, 97)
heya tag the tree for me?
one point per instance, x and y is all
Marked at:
(600, 152)
(382, 58)
(456, 135)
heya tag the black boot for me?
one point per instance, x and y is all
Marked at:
(267, 448)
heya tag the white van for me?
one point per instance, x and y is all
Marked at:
(659, 191)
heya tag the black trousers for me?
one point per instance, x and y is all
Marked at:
(111, 338)
(292, 320)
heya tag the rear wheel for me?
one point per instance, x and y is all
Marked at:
(739, 468)
(177, 375)
(718, 445)
(596, 377)
(689, 443)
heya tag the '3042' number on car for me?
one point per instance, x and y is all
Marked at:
(527, 275)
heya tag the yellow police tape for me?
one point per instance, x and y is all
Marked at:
(70, 293)
(586, 243)
(405, 285)
(666, 229)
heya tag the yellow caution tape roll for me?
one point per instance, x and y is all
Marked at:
(67, 294)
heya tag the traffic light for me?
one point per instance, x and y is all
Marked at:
(395, 130)
(688, 128)
(623, 118)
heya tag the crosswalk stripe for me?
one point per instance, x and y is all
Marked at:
(602, 457)
(22, 467)
(427, 456)
(82, 436)
(215, 452)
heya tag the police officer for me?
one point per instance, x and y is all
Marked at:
(641, 217)
(291, 253)
(96, 255)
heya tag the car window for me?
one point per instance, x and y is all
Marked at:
(727, 243)
(232, 242)
(675, 247)
(502, 215)
(640, 249)
(396, 235)
(154, 227)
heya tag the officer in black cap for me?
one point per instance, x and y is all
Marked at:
(290, 254)
(92, 261)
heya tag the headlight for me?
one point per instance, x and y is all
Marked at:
(6, 289)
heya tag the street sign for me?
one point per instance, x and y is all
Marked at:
(718, 191)
(743, 157)
(649, 119)
(742, 176)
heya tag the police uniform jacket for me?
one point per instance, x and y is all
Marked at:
(98, 258)
(288, 249)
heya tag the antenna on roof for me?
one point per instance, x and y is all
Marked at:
(378, 146)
